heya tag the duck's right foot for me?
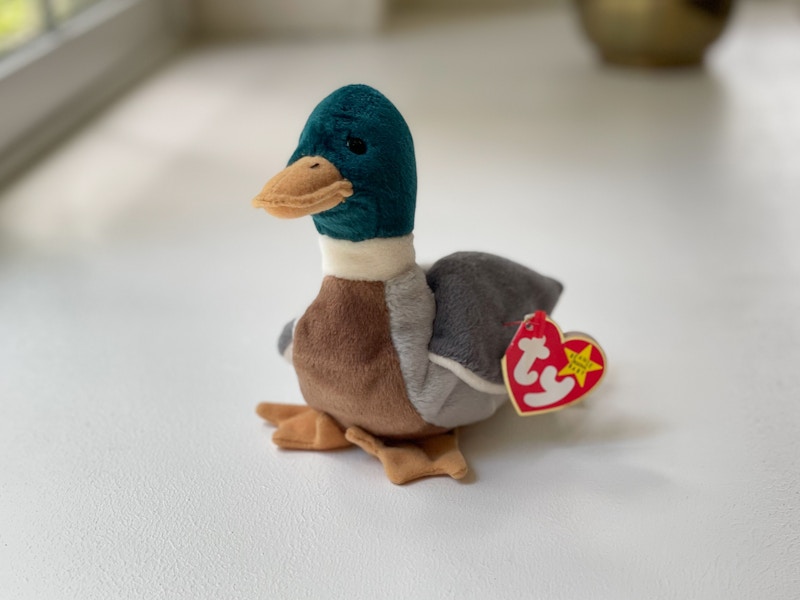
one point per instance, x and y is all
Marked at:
(302, 428)
(407, 461)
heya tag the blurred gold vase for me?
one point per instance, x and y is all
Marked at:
(654, 33)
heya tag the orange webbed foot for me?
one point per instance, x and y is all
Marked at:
(410, 460)
(302, 428)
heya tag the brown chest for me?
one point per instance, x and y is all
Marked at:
(347, 365)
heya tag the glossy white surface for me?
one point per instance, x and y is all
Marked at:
(141, 298)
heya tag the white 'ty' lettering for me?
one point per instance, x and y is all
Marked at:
(553, 390)
(532, 349)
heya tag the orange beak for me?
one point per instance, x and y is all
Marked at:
(308, 186)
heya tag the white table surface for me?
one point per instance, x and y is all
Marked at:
(141, 297)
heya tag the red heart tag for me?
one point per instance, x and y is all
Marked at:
(546, 370)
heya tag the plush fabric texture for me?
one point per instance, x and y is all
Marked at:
(476, 293)
(439, 396)
(384, 176)
(378, 259)
(387, 357)
(347, 365)
(302, 427)
(436, 455)
(285, 340)
(473, 380)
(309, 185)
(453, 378)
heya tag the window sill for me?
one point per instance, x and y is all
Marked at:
(55, 82)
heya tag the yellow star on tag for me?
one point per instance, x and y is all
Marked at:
(579, 364)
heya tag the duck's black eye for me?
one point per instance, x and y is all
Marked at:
(356, 145)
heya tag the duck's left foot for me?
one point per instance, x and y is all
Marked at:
(407, 461)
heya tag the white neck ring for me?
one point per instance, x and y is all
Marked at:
(378, 259)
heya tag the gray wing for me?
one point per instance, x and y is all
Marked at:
(286, 339)
(476, 294)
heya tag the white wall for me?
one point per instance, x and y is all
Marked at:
(288, 17)
(308, 17)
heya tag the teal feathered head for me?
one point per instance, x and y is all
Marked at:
(353, 170)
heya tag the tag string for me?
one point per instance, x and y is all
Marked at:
(534, 323)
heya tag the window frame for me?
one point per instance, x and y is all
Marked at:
(52, 83)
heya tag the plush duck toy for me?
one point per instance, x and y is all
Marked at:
(388, 357)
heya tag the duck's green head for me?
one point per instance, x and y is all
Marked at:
(354, 169)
